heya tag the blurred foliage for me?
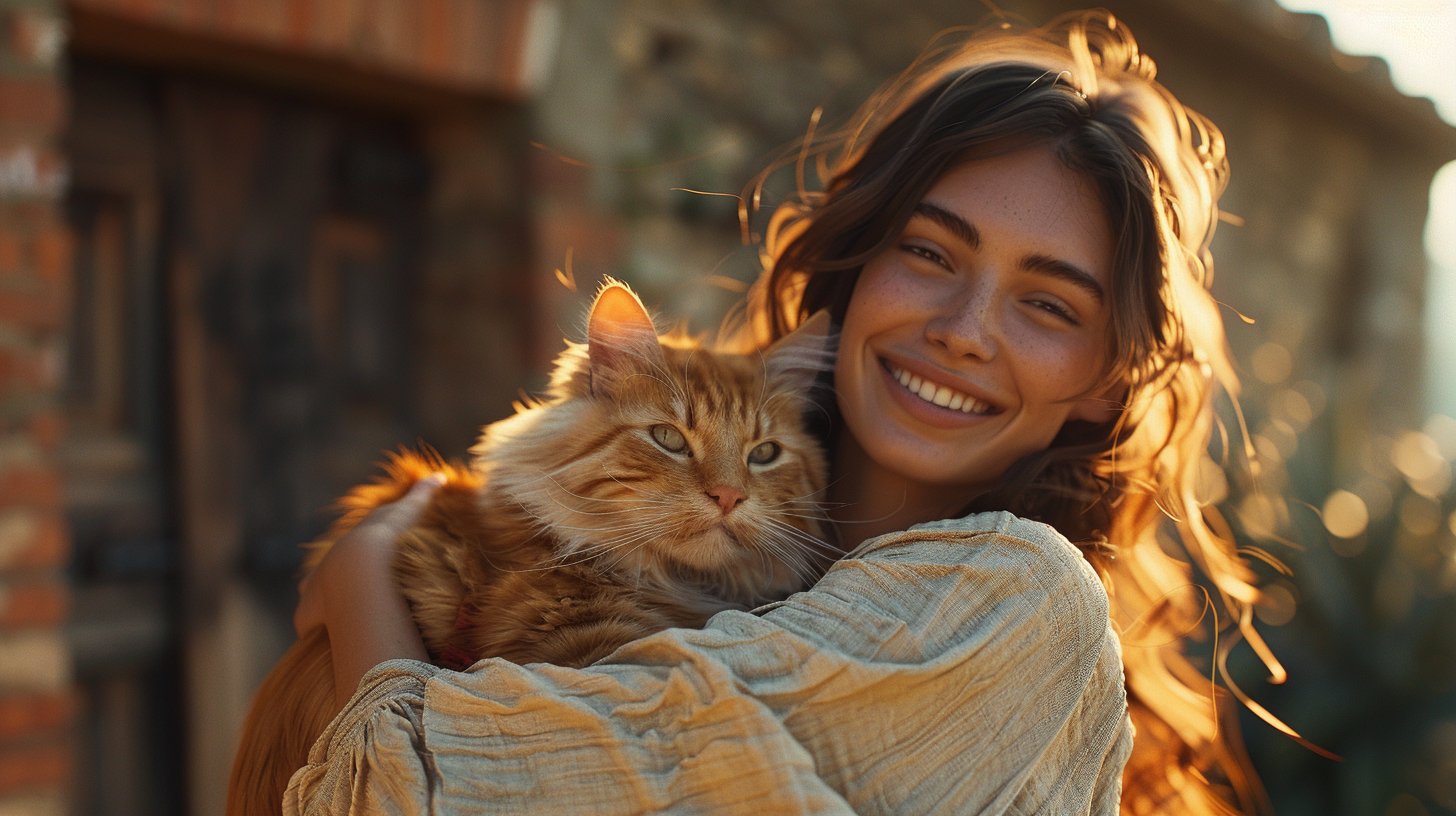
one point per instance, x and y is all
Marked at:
(1364, 616)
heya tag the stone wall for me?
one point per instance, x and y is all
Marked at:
(36, 700)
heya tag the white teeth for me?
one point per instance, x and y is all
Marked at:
(939, 394)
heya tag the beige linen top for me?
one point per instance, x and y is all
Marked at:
(963, 666)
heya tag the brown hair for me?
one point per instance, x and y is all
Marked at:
(1119, 488)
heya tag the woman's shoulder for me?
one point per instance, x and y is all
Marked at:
(991, 540)
(1025, 567)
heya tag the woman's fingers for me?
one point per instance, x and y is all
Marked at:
(372, 539)
(309, 614)
(390, 520)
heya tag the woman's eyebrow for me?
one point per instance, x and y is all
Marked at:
(962, 228)
(1042, 264)
(1071, 273)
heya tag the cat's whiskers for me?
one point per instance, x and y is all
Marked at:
(805, 542)
(808, 540)
(821, 519)
(610, 475)
(804, 497)
(637, 506)
(581, 512)
(552, 524)
(801, 509)
(801, 499)
(646, 523)
(784, 552)
(638, 533)
(638, 540)
(814, 403)
(623, 484)
(637, 573)
(641, 522)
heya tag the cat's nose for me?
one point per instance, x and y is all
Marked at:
(727, 497)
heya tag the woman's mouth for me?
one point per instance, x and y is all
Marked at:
(938, 394)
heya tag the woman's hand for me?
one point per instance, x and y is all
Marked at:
(352, 593)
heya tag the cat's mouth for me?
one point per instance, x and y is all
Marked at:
(728, 535)
(709, 549)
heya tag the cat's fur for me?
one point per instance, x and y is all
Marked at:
(575, 530)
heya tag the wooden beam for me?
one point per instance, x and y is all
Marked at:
(106, 35)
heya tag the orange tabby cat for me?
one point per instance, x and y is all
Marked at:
(656, 484)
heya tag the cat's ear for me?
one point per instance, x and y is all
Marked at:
(621, 340)
(796, 359)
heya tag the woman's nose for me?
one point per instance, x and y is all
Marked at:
(968, 323)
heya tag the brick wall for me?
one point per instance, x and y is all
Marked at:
(36, 699)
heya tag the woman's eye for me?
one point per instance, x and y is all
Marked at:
(1055, 309)
(765, 453)
(670, 438)
(927, 253)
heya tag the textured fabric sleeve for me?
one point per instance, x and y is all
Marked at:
(371, 758)
(963, 666)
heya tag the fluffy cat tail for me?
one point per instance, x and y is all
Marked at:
(292, 707)
(296, 701)
(401, 470)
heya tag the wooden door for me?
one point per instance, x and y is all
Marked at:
(289, 269)
(240, 357)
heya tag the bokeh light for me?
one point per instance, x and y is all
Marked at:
(1420, 515)
(1262, 514)
(1377, 496)
(1345, 515)
(1442, 429)
(1313, 394)
(1276, 604)
(1272, 363)
(1416, 456)
(1293, 408)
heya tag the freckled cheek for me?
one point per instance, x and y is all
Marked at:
(1051, 367)
(888, 294)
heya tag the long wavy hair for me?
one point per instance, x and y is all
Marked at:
(1127, 491)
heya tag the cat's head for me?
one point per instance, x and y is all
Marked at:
(656, 454)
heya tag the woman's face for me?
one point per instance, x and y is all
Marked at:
(979, 332)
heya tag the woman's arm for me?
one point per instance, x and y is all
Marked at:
(963, 666)
(352, 593)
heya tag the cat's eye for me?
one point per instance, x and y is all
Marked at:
(765, 453)
(670, 438)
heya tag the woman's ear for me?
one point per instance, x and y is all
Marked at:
(1103, 406)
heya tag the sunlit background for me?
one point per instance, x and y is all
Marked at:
(1418, 41)
(245, 247)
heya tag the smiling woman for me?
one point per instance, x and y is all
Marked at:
(992, 294)
(1012, 238)
(1020, 223)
